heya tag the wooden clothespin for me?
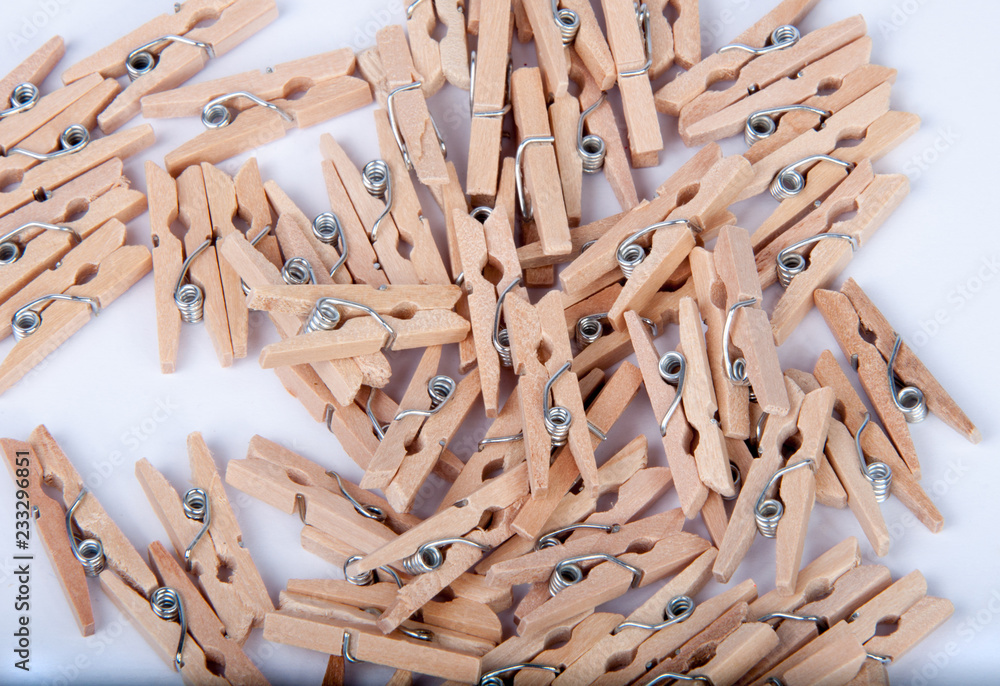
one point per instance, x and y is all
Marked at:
(764, 81)
(450, 55)
(489, 99)
(168, 50)
(589, 46)
(750, 330)
(630, 38)
(540, 191)
(34, 69)
(43, 324)
(300, 299)
(734, 655)
(417, 135)
(553, 62)
(679, 43)
(207, 538)
(106, 195)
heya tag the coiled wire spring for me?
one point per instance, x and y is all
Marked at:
(557, 418)
(551, 539)
(377, 180)
(143, 60)
(197, 507)
(254, 241)
(327, 229)
(909, 399)
(501, 338)
(878, 474)
(678, 609)
(791, 263)
(430, 556)
(768, 511)
(189, 297)
(590, 329)
(568, 572)
(762, 123)
(630, 254)
(496, 677)
(736, 369)
(674, 676)
(591, 147)
(89, 552)
(10, 251)
(297, 272)
(672, 367)
(440, 388)
(368, 511)
(215, 114)
(789, 182)
(568, 22)
(22, 98)
(782, 37)
(28, 320)
(73, 139)
(368, 578)
(166, 604)
(324, 317)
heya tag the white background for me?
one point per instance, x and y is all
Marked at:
(936, 258)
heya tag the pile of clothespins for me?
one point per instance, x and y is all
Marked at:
(424, 596)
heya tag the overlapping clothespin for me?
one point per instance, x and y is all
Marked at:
(206, 537)
(21, 94)
(438, 60)
(92, 545)
(677, 42)
(547, 29)
(170, 49)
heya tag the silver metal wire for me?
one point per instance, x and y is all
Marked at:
(198, 507)
(22, 98)
(369, 511)
(678, 609)
(672, 367)
(592, 148)
(166, 604)
(791, 263)
(909, 399)
(324, 317)
(372, 313)
(28, 320)
(379, 428)
(143, 60)
(360, 579)
(10, 251)
(878, 474)
(674, 676)
(394, 123)
(73, 139)
(737, 481)
(782, 37)
(551, 539)
(440, 388)
(820, 623)
(190, 298)
(482, 213)
(527, 210)
(568, 572)
(472, 90)
(736, 370)
(557, 418)
(411, 7)
(254, 241)
(297, 271)
(327, 229)
(501, 339)
(789, 182)
(590, 328)
(215, 114)
(430, 556)
(759, 433)
(500, 439)
(345, 649)
(377, 180)
(642, 17)
(630, 254)
(496, 677)
(767, 512)
(763, 123)
(884, 659)
(89, 552)
(567, 21)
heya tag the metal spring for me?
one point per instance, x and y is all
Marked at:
(678, 609)
(440, 388)
(642, 18)
(142, 60)
(589, 329)
(27, 320)
(472, 90)
(379, 428)
(496, 677)
(361, 578)
(168, 606)
(377, 180)
(327, 229)
(789, 182)
(569, 573)
(10, 251)
(782, 37)
(22, 98)
(630, 254)
(369, 511)
(481, 213)
(551, 539)
(527, 210)
(190, 298)
(390, 340)
(762, 123)
(324, 317)
(297, 272)
(878, 474)
(592, 148)
(73, 139)
(737, 481)
(88, 552)
(390, 105)
(767, 512)
(557, 418)
(568, 22)
(501, 338)
(821, 624)
(672, 367)
(254, 241)
(429, 556)
(736, 370)
(198, 507)
(759, 433)
(674, 676)
(909, 399)
(215, 114)
(790, 263)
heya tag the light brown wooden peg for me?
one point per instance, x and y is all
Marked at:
(585, 635)
(301, 299)
(36, 66)
(489, 96)
(719, 66)
(632, 63)
(690, 489)
(168, 254)
(829, 491)
(680, 43)
(49, 522)
(751, 331)
(17, 129)
(564, 115)
(454, 46)
(738, 652)
(838, 662)
(913, 626)
(424, 50)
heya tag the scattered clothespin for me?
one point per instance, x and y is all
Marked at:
(553, 62)
(679, 43)
(205, 535)
(589, 46)
(630, 38)
(33, 70)
(168, 50)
